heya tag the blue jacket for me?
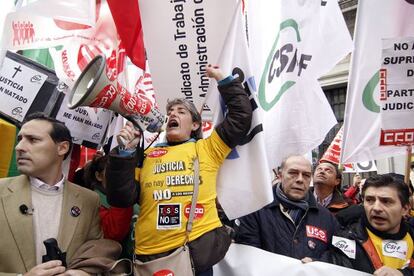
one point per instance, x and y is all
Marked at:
(270, 229)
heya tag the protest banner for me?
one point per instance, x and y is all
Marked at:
(362, 125)
(397, 92)
(248, 260)
(27, 87)
(40, 25)
(189, 34)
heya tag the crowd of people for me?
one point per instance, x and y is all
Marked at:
(135, 205)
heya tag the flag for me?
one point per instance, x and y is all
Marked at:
(293, 43)
(362, 111)
(128, 24)
(333, 152)
(249, 158)
(89, 125)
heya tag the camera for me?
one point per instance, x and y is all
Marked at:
(53, 252)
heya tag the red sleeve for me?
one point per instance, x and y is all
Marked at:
(351, 192)
(115, 222)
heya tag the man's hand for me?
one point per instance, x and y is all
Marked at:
(74, 272)
(46, 269)
(306, 260)
(387, 271)
(214, 72)
(356, 180)
(129, 136)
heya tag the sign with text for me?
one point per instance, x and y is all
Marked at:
(190, 35)
(19, 85)
(397, 92)
(87, 125)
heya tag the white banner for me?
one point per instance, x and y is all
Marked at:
(362, 111)
(250, 261)
(77, 11)
(293, 43)
(19, 85)
(28, 28)
(396, 92)
(181, 38)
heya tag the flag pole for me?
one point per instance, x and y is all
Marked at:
(408, 164)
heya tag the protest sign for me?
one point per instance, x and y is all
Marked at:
(397, 92)
(27, 87)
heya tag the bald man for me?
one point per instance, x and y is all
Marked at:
(294, 224)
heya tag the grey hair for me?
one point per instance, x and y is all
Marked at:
(195, 115)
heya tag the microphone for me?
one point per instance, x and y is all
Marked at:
(26, 210)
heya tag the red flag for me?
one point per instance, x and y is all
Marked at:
(334, 150)
(128, 24)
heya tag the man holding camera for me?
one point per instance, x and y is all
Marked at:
(41, 204)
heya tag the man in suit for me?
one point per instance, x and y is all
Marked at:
(41, 204)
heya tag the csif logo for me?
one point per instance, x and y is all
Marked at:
(368, 94)
(36, 79)
(96, 136)
(391, 247)
(285, 59)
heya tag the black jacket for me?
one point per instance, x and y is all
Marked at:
(270, 229)
(363, 261)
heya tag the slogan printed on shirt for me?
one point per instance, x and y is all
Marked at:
(317, 233)
(395, 249)
(169, 216)
(347, 246)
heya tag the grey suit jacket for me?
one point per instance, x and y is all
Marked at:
(17, 247)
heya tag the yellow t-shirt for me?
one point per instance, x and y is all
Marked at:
(394, 254)
(166, 181)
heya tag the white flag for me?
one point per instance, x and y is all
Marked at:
(292, 43)
(376, 19)
(252, 183)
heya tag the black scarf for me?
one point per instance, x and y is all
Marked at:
(296, 209)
